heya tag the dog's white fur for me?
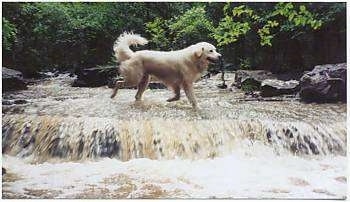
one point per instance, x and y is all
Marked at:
(176, 69)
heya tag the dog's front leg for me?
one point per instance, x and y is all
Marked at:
(188, 88)
(118, 84)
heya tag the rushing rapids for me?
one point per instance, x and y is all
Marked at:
(60, 124)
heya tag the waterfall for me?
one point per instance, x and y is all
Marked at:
(72, 138)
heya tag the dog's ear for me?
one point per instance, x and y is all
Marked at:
(198, 53)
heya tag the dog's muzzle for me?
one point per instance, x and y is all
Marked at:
(212, 60)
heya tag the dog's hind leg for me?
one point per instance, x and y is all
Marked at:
(141, 87)
(177, 94)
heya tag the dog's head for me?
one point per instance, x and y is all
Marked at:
(206, 53)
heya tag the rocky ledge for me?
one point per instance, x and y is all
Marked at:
(12, 80)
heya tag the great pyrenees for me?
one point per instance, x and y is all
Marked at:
(176, 69)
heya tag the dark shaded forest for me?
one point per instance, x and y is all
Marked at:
(278, 37)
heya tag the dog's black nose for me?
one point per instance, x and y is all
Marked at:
(220, 58)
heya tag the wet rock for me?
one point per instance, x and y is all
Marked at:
(7, 102)
(325, 83)
(95, 77)
(257, 75)
(251, 80)
(273, 87)
(20, 102)
(12, 102)
(12, 80)
(230, 67)
(312, 146)
(222, 86)
(290, 76)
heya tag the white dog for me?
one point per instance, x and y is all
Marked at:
(176, 69)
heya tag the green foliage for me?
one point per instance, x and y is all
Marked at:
(233, 25)
(296, 17)
(9, 32)
(193, 24)
(243, 19)
(265, 33)
(245, 63)
(191, 27)
(71, 35)
(157, 30)
(77, 35)
(229, 31)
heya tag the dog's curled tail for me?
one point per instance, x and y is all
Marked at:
(121, 45)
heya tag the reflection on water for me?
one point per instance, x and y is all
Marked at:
(62, 125)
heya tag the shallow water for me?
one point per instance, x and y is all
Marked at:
(70, 142)
(55, 97)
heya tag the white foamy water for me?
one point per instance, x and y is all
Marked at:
(257, 174)
(55, 146)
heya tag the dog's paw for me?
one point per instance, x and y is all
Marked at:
(172, 99)
(195, 108)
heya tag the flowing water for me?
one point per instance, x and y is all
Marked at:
(67, 142)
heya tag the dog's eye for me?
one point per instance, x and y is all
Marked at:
(211, 51)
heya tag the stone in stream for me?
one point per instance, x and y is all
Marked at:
(19, 102)
(273, 87)
(7, 102)
(101, 76)
(94, 77)
(12, 102)
(325, 83)
(12, 80)
(250, 80)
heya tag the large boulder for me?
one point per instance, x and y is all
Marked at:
(273, 87)
(12, 80)
(325, 83)
(95, 77)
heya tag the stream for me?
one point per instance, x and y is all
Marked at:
(70, 142)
